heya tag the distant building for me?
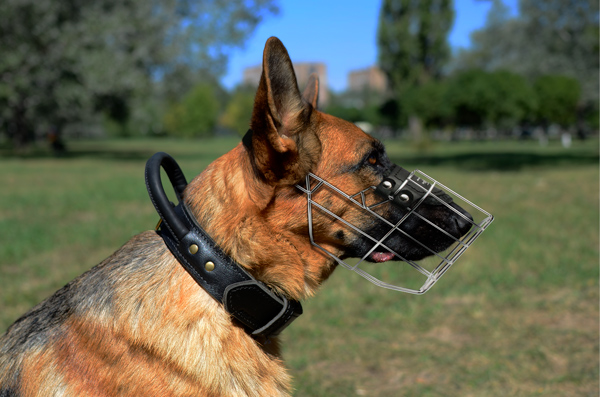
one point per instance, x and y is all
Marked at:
(303, 71)
(373, 79)
(252, 76)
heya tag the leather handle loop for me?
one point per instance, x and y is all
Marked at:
(157, 193)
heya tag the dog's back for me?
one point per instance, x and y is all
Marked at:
(133, 325)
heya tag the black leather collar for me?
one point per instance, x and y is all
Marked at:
(257, 307)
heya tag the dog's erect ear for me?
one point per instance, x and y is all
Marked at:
(311, 92)
(280, 120)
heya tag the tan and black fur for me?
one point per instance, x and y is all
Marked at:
(137, 324)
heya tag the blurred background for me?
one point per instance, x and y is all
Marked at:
(436, 70)
(496, 99)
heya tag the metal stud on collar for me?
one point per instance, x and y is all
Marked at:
(209, 266)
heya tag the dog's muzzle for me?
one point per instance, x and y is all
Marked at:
(408, 217)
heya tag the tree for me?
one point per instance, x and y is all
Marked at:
(81, 61)
(566, 36)
(430, 102)
(558, 97)
(413, 47)
(471, 97)
(356, 105)
(493, 46)
(553, 37)
(195, 115)
(500, 98)
(412, 40)
(238, 111)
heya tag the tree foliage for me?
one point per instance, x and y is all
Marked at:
(540, 66)
(558, 97)
(499, 98)
(475, 98)
(238, 111)
(547, 37)
(413, 47)
(195, 115)
(412, 40)
(430, 102)
(356, 105)
(81, 61)
(348, 113)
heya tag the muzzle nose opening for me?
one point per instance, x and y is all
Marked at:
(464, 220)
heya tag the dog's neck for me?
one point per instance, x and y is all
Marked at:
(235, 208)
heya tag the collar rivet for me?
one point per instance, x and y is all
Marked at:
(193, 249)
(209, 266)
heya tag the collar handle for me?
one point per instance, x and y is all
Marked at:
(157, 194)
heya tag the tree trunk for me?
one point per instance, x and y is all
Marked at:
(21, 134)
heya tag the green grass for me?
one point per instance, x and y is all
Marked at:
(517, 315)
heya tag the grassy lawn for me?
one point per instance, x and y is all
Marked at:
(516, 316)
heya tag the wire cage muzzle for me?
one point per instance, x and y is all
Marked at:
(401, 273)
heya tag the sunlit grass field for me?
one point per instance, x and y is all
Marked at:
(516, 316)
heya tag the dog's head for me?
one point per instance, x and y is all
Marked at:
(290, 147)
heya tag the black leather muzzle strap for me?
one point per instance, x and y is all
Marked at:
(404, 190)
(257, 307)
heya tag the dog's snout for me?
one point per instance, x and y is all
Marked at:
(463, 220)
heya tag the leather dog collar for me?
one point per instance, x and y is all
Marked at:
(257, 307)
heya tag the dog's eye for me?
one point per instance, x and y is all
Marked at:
(372, 159)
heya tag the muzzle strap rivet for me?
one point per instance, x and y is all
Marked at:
(404, 197)
(209, 266)
(387, 184)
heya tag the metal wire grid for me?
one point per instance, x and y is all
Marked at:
(416, 178)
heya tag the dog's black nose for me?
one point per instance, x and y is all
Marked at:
(463, 221)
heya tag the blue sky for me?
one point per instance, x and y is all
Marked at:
(340, 33)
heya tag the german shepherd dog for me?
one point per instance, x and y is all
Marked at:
(138, 324)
